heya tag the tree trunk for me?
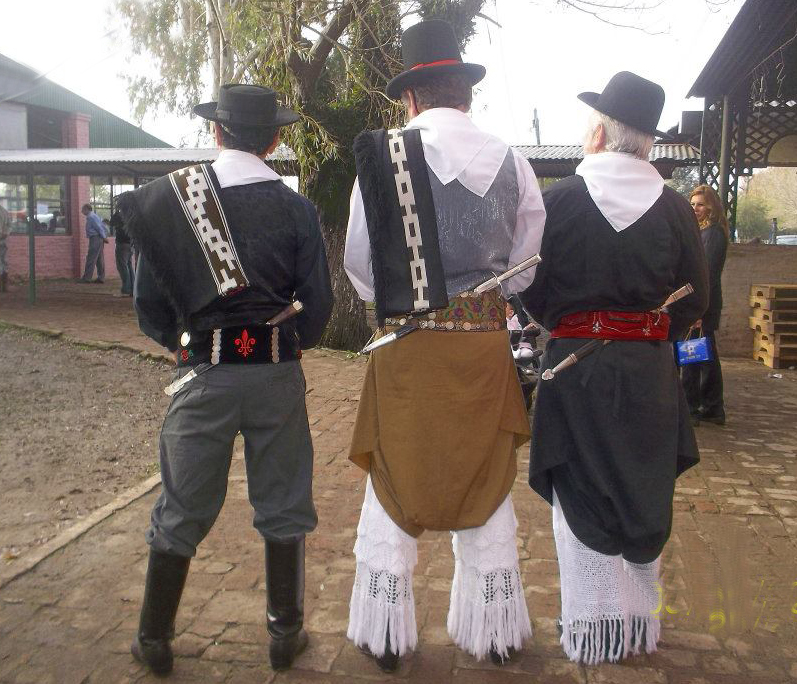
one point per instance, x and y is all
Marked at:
(328, 188)
(347, 328)
(214, 41)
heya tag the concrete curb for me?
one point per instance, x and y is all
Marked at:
(94, 344)
(36, 556)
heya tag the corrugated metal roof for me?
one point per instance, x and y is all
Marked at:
(148, 162)
(123, 155)
(20, 83)
(676, 153)
(759, 29)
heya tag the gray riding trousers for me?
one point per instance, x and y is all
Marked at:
(265, 403)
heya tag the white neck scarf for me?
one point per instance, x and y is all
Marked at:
(234, 167)
(622, 186)
(455, 148)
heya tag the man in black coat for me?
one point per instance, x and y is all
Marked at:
(611, 433)
(226, 251)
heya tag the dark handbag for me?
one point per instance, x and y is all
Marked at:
(694, 350)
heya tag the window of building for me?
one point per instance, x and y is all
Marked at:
(103, 192)
(45, 127)
(100, 196)
(50, 201)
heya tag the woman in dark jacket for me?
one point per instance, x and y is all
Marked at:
(703, 381)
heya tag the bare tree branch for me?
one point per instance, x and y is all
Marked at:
(246, 62)
(349, 50)
(329, 36)
(599, 7)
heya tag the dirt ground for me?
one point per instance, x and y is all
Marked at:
(79, 426)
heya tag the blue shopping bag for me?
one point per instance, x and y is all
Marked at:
(695, 350)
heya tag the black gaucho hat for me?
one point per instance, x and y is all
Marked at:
(246, 105)
(430, 49)
(632, 100)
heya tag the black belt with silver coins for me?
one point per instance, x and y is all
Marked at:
(243, 344)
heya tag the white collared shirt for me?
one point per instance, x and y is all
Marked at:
(455, 148)
(234, 167)
(622, 186)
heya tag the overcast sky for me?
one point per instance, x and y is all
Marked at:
(542, 56)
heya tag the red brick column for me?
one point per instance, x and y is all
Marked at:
(75, 133)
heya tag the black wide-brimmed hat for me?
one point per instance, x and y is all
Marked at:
(246, 105)
(429, 50)
(632, 100)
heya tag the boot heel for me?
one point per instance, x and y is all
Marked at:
(282, 652)
(157, 655)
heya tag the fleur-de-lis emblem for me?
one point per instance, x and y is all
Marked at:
(245, 343)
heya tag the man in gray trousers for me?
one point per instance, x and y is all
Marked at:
(98, 236)
(227, 252)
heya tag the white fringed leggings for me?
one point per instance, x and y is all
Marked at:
(608, 604)
(488, 607)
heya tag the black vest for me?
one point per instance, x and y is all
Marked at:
(402, 227)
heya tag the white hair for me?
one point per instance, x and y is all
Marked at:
(620, 137)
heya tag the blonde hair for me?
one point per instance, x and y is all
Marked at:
(716, 211)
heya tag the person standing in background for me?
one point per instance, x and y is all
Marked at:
(5, 229)
(703, 381)
(124, 254)
(98, 236)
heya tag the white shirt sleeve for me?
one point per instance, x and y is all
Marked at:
(529, 227)
(357, 253)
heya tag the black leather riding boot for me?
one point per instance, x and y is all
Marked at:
(165, 581)
(285, 595)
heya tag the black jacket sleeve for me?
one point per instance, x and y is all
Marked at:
(313, 286)
(692, 269)
(156, 316)
(716, 246)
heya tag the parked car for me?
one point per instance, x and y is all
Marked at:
(786, 240)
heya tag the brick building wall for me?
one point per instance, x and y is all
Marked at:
(747, 265)
(63, 256)
(55, 256)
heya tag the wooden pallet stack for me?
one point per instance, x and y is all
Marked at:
(774, 322)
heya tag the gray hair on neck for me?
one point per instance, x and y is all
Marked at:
(620, 137)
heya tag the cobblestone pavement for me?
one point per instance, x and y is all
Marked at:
(729, 597)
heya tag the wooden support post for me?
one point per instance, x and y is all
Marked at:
(703, 142)
(31, 240)
(725, 151)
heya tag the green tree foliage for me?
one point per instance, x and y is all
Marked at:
(777, 189)
(752, 218)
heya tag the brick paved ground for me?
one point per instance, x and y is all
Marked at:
(729, 605)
